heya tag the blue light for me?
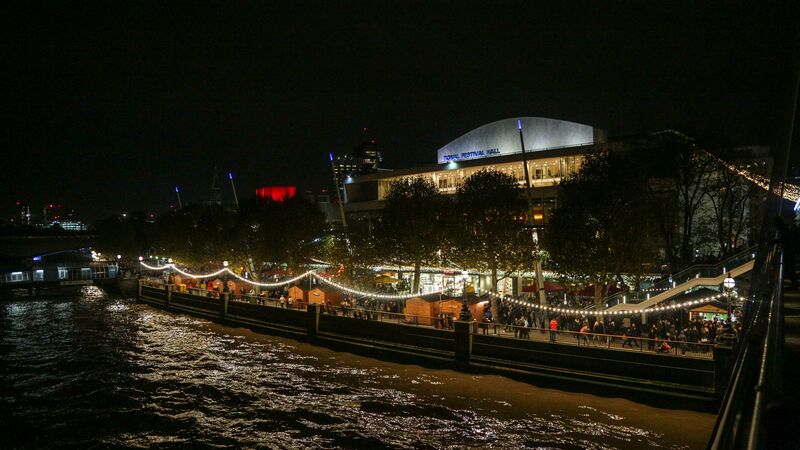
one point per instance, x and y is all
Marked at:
(330, 155)
(230, 176)
(37, 258)
(519, 124)
(176, 188)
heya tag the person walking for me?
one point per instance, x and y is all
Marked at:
(553, 329)
(584, 331)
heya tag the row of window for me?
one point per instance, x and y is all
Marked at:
(546, 172)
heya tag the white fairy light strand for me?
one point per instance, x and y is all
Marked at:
(166, 266)
(172, 266)
(606, 312)
(292, 280)
(370, 294)
(277, 284)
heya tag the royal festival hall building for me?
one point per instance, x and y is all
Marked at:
(554, 149)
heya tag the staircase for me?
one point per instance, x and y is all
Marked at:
(686, 280)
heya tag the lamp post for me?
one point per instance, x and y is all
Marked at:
(169, 267)
(225, 278)
(540, 295)
(729, 283)
(141, 260)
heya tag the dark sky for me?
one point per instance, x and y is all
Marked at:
(110, 105)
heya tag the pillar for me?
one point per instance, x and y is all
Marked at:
(169, 294)
(140, 289)
(723, 364)
(463, 342)
(223, 306)
(312, 319)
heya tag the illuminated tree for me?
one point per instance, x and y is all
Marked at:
(489, 228)
(411, 231)
(601, 227)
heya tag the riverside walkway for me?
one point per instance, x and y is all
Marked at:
(617, 342)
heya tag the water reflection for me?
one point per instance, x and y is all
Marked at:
(97, 371)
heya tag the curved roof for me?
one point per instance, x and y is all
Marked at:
(502, 138)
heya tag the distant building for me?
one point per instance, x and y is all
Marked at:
(326, 205)
(276, 193)
(362, 160)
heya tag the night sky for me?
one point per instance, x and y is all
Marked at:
(111, 105)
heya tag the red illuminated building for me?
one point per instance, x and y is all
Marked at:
(276, 193)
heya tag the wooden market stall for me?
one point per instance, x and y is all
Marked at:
(476, 305)
(299, 293)
(424, 309)
(708, 310)
(322, 294)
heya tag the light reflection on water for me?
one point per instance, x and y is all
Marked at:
(98, 371)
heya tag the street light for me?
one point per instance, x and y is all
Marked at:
(169, 272)
(225, 282)
(729, 283)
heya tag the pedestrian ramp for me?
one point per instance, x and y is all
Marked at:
(744, 264)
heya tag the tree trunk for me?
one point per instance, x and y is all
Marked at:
(415, 287)
(600, 292)
(495, 300)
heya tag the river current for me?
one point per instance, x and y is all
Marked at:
(98, 371)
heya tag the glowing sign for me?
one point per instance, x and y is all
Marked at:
(472, 155)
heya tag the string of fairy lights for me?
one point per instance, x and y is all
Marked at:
(574, 311)
(380, 296)
(789, 191)
(311, 273)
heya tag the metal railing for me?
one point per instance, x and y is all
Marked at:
(623, 342)
(756, 374)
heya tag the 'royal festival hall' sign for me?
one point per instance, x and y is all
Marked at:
(472, 155)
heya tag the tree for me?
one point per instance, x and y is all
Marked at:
(353, 256)
(694, 168)
(281, 232)
(198, 234)
(601, 227)
(490, 228)
(411, 230)
(729, 217)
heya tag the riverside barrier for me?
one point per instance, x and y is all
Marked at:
(693, 381)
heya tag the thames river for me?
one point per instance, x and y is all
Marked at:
(97, 371)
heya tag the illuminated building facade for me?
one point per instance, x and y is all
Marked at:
(554, 149)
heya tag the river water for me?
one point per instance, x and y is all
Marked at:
(96, 371)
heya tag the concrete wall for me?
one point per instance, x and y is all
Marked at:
(641, 365)
(388, 332)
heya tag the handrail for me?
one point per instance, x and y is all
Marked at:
(606, 340)
(738, 423)
(769, 357)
